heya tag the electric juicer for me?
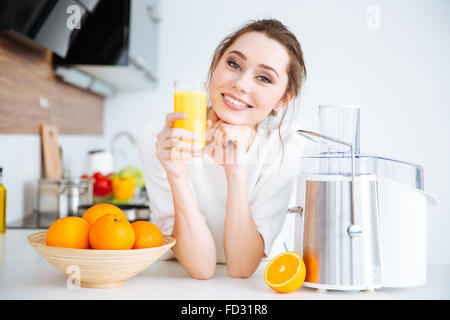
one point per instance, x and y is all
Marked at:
(362, 225)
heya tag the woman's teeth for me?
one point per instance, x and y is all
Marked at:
(236, 102)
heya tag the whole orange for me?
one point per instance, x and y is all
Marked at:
(147, 235)
(69, 232)
(111, 232)
(98, 210)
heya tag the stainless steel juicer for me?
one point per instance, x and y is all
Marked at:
(361, 220)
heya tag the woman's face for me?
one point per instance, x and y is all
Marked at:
(249, 80)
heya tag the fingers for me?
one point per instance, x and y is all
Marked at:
(234, 136)
(177, 133)
(211, 131)
(176, 144)
(174, 154)
(229, 143)
(229, 135)
(171, 117)
(174, 149)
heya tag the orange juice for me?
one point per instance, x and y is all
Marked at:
(193, 103)
(2, 204)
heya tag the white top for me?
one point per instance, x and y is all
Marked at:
(269, 185)
(24, 274)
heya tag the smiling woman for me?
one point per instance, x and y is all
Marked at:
(229, 205)
(243, 80)
(278, 46)
(246, 79)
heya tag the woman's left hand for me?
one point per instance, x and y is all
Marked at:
(228, 144)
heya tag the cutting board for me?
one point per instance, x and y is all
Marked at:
(50, 152)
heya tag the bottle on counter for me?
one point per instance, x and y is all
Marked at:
(2, 204)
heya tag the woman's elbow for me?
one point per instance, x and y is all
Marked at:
(241, 272)
(204, 274)
(243, 269)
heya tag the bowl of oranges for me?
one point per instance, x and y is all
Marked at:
(102, 247)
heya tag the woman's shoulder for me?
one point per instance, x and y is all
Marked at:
(285, 136)
(150, 126)
(279, 149)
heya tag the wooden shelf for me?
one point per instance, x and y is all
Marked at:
(27, 81)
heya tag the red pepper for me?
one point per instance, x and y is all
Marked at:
(102, 185)
(97, 175)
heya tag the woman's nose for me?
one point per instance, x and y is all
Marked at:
(242, 83)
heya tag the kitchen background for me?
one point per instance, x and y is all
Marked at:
(388, 56)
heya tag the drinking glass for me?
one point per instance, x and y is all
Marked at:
(190, 97)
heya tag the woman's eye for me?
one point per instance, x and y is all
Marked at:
(264, 79)
(233, 64)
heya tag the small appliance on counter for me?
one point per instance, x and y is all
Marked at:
(363, 218)
(57, 198)
(99, 160)
(62, 197)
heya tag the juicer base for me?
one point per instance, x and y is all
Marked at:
(321, 287)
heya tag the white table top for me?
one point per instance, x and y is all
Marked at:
(24, 274)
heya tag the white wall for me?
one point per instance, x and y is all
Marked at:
(397, 74)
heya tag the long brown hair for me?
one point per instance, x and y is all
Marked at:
(277, 31)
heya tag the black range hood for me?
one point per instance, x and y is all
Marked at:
(45, 22)
(99, 45)
(103, 38)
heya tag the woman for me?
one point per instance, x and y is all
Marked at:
(229, 205)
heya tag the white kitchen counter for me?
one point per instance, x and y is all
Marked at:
(24, 274)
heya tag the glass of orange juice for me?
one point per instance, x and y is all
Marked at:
(190, 98)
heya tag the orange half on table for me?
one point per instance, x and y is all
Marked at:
(285, 272)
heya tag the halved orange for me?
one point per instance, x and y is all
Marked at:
(285, 272)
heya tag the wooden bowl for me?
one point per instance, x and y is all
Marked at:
(99, 268)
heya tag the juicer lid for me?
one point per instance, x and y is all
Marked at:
(339, 163)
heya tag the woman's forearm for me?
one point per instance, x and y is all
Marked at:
(195, 248)
(244, 246)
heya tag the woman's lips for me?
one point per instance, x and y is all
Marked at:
(233, 106)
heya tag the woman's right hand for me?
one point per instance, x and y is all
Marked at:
(173, 153)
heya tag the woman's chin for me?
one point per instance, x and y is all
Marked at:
(230, 117)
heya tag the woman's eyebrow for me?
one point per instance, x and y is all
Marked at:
(264, 66)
